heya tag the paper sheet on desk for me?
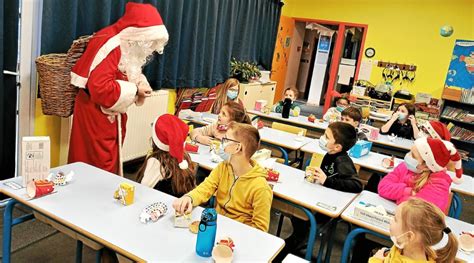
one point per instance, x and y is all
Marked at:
(268, 163)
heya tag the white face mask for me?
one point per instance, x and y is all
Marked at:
(323, 143)
(396, 241)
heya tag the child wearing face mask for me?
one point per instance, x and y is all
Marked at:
(238, 183)
(231, 111)
(292, 94)
(416, 227)
(403, 122)
(334, 113)
(229, 91)
(423, 174)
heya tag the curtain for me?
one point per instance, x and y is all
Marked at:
(8, 90)
(204, 35)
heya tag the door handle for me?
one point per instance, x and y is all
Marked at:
(8, 72)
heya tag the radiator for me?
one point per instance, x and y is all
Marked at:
(137, 138)
(140, 119)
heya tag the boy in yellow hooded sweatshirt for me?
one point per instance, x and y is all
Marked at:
(239, 184)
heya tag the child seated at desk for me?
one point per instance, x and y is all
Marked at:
(352, 116)
(403, 122)
(337, 172)
(168, 168)
(423, 174)
(334, 113)
(238, 183)
(418, 225)
(292, 94)
(231, 111)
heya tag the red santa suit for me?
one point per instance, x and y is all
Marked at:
(105, 94)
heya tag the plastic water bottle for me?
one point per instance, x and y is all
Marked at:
(207, 232)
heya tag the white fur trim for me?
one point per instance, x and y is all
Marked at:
(431, 130)
(158, 32)
(104, 51)
(183, 165)
(78, 81)
(427, 155)
(128, 90)
(456, 179)
(157, 141)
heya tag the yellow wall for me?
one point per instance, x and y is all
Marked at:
(51, 126)
(48, 126)
(403, 31)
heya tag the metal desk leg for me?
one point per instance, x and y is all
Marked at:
(8, 223)
(350, 237)
(312, 231)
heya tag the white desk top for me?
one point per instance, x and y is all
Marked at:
(284, 139)
(87, 205)
(456, 226)
(300, 120)
(292, 187)
(373, 161)
(205, 119)
(400, 143)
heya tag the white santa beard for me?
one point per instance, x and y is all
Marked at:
(134, 56)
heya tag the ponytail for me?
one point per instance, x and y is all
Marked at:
(421, 180)
(448, 252)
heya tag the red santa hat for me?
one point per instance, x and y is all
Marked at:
(169, 134)
(140, 22)
(437, 154)
(437, 130)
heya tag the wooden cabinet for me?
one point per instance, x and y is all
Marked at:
(251, 92)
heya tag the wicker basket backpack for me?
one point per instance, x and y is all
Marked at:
(54, 71)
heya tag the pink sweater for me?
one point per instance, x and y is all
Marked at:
(398, 184)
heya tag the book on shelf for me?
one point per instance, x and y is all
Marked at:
(457, 114)
(461, 133)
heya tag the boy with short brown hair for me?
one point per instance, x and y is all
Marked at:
(239, 184)
(352, 116)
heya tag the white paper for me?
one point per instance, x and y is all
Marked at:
(345, 73)
(365, 70)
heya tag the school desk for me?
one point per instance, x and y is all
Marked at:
(293, 190)
(455, 225)
(87, 206)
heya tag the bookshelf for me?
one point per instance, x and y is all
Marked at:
(459, 116)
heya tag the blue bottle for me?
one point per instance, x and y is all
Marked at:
(207, 232)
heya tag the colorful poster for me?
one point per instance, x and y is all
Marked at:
(461, 69)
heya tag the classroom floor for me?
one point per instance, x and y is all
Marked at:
(34, 241)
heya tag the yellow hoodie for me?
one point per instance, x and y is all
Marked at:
(394, 256)
(247, 199)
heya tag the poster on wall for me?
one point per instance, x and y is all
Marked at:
(461, 69)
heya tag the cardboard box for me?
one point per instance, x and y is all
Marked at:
(360, 149)
(35, 158)
(375, 215)
(452, 94)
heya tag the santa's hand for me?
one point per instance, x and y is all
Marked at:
(140, 100)
(144, 90)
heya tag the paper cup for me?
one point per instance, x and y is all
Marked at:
(39, 188)
(466, 242)
(222, 254)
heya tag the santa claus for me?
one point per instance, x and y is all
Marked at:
(109, 75)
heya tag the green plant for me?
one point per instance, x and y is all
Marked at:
(243, 70)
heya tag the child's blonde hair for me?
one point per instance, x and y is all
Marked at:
(221, 97)
(428, 221)
(247, 135)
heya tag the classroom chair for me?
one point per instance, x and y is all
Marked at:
(298, 161)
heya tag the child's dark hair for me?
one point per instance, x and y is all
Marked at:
(342, 98)
(182, 181)
(237, 112)
(353, 113)
(295, 91)
(410, 108)
(344, 134)
(248, 135)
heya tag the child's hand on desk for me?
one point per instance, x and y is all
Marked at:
(206, 140)
(183, 205)
(320, 176)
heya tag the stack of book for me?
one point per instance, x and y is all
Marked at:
(458, 114)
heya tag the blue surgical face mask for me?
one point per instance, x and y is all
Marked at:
(232, 94)
(411, 163)
(402, 116)
(224, 156)
(323, 142)
(340, 108)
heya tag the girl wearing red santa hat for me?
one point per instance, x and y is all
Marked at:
(423, 173)
(168, 168)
